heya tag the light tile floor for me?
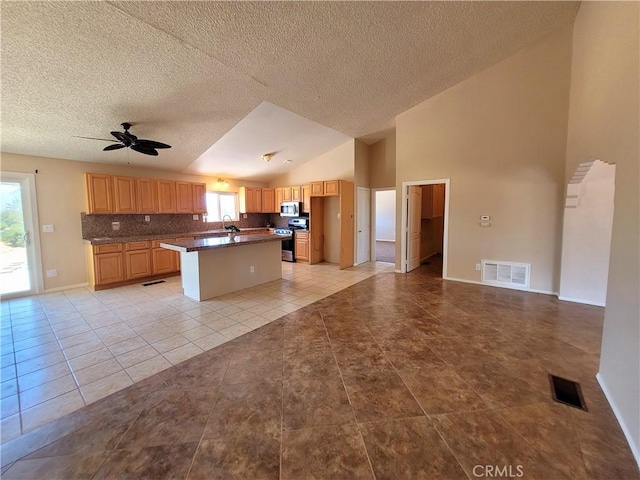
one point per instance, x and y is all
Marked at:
(64, 350)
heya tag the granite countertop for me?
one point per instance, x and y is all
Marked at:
(223, 242)
(165, 236)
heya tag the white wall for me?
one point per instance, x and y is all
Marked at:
(385, 215)
(500, 137)
(586, 237)
(604, 122)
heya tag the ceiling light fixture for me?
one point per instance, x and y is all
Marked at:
(222, 183)
(267, 157)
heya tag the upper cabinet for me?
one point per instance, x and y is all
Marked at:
(147, 195)
(118, 194)
(269, 200)
(166, 196)
(327, 188)
(199, 198)
(184, 197)
(296, 193)
(124, 195)
(99, 193)
(250, 199)
(306, 198)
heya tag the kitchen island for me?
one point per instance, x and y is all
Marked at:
(216, 266)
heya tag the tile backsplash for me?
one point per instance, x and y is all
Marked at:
(94, 226)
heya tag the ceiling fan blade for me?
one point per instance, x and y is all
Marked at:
(152, 144)
(145, 150)
(94, 138)
(119, 135)
(115, 146)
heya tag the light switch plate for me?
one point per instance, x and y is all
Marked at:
(48, 228)
(52, 273)
(196, 217)
(485, 224)
(115, 225)
(147, 218)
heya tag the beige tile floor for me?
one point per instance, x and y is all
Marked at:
(64, 350)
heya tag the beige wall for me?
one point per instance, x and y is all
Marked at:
(337, 164)
(61, 196)
(500, 137)
(383, 162)
(604, 122)
(362, 164)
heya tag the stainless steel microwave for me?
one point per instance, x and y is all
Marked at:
(290, 209)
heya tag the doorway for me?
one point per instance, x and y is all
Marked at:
(19, 240)
(384, 225)
(425, 223)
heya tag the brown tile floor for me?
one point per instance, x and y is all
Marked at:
(398, 376)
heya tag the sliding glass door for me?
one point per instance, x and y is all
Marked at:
(19, 272)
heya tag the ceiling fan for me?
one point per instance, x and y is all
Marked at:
(129, 140)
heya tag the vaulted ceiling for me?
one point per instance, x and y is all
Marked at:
(186, 73)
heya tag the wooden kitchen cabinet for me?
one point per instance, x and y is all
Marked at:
(166, 196)
(147, 195)
(296, 193)
(250, 199)
(109, 268)
(184, 197)
(306, 198)
(302, 246)
(269, 200)
(199, 198)
(124, 195)
(99, 193)
(327, 188)
(279, 197)
(317, 189)
(164, 261)
(286, 194)
(137, 263)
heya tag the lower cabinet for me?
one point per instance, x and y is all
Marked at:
(137, 260)
(302, 246)
(109, 268)
(121, 263)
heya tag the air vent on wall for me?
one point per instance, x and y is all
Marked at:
(506, 274)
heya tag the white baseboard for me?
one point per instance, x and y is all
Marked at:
(634, 448)
(579, 300)
(397, 271)
(385, 240)
(530, 290)
(66, 287)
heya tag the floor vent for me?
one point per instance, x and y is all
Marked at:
(152, 283)
(506, 274)
(567, 392)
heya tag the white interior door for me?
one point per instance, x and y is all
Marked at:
(19, 264)
(363, 221)
(414, 210)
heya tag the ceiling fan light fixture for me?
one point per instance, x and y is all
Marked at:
(267, 157)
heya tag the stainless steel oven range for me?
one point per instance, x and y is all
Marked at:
(289, 246)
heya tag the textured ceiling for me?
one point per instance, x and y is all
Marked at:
(185, 73)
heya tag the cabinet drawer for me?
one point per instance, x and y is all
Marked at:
(184, 239)
(302, 235)
(110, 248)
(137, 245)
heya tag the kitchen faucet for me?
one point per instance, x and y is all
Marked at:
(224, 227)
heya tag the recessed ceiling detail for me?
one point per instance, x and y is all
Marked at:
(240, 153)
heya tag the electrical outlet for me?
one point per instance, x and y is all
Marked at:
(115, 225)
(52, 273)
(196, 217)
(48, 228)
(478, 267)
(252, 269)
(244, 215)
(147, 218)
